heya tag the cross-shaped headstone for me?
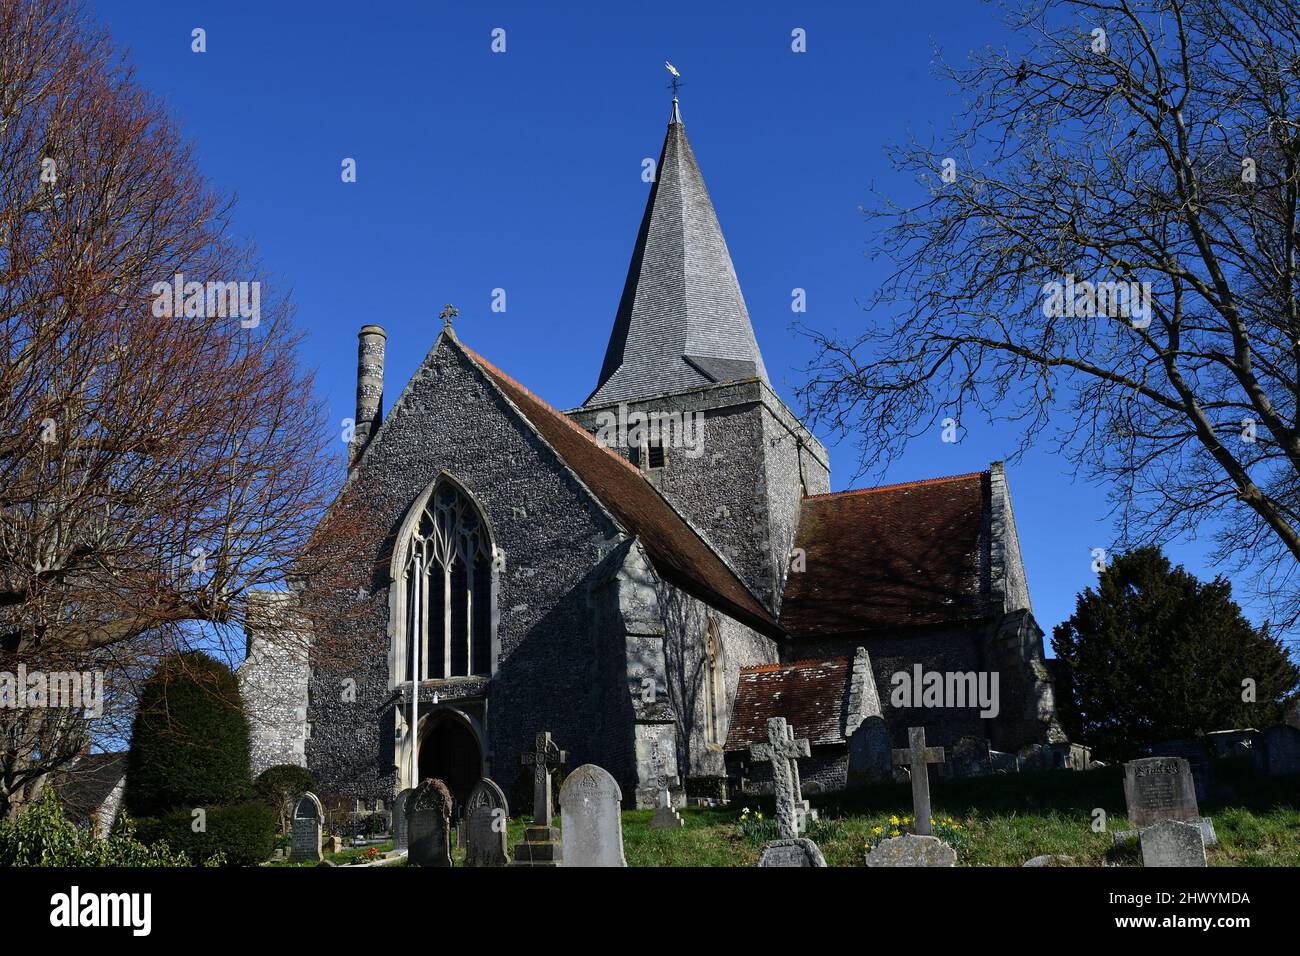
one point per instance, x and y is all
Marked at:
(783, 750)
(545, 757)
(915, 757)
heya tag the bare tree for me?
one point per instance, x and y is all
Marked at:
(159, 457)
(1154, 142)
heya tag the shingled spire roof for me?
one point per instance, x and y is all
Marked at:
(682, 321)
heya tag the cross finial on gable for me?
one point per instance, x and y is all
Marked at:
(448, 313)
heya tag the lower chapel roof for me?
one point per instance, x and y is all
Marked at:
(811, 695)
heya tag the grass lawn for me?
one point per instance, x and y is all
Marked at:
(1003, 821)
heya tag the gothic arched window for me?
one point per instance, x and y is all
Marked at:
(447, 580)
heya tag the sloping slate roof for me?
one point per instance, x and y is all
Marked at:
(885, 558)
(811, 695)
(679, 554)
(85, 785)
(681, 321)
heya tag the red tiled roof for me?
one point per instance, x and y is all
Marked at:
(885, 558)
(808, 694)
(679, 554)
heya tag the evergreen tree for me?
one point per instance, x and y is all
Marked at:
(1154, 654)
(189, 743)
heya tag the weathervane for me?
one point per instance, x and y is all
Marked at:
(677, 78)
(448, 313)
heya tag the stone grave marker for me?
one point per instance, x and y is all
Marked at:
(485, 825)
(1173, 843)
(1157, 789)
(590, 822)
(666, 818)
(917, 756)
(400, 829)
(308, 820)
(797, 852)
(912, 850)
(541, 845)
(784, 751)
(428, 821)
(1281, 750)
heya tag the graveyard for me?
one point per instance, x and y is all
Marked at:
(1145, 813)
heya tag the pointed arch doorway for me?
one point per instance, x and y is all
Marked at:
(450, 751)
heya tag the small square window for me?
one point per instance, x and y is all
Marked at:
(656, 456)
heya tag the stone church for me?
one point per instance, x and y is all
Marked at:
(649, 576)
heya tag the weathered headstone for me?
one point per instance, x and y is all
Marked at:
(969, 757)
(1173, 843)
(916, 757)
(666, 818)
(783, 751)
(1157, 789)
(864, 725)
(1196, 752)
(590, 821)
(541, 845)
(1281, 750)
(797, 852)
(428, 821)
(308, 820)
(912, 850)
(400, 829)
(485, 825)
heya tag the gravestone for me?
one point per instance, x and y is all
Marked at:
(783, 751)
(797, 852)
(1281, 750)
(912, 850)
(969, 758)
(485, 826)
(428, 821)
(541, 845)
(308, 820)
(869, 746)
(1196, 752)
(591, 825)
(1157, 789)
(1173, 843)
(666, 818)
(916, 757)
(400, 829)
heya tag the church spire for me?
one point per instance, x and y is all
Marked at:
(681, 321)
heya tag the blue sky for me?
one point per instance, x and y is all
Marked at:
(522, 170)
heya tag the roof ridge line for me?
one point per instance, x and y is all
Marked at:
(807, 662)
(895, 487)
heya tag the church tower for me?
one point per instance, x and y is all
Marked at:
(685, 389)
